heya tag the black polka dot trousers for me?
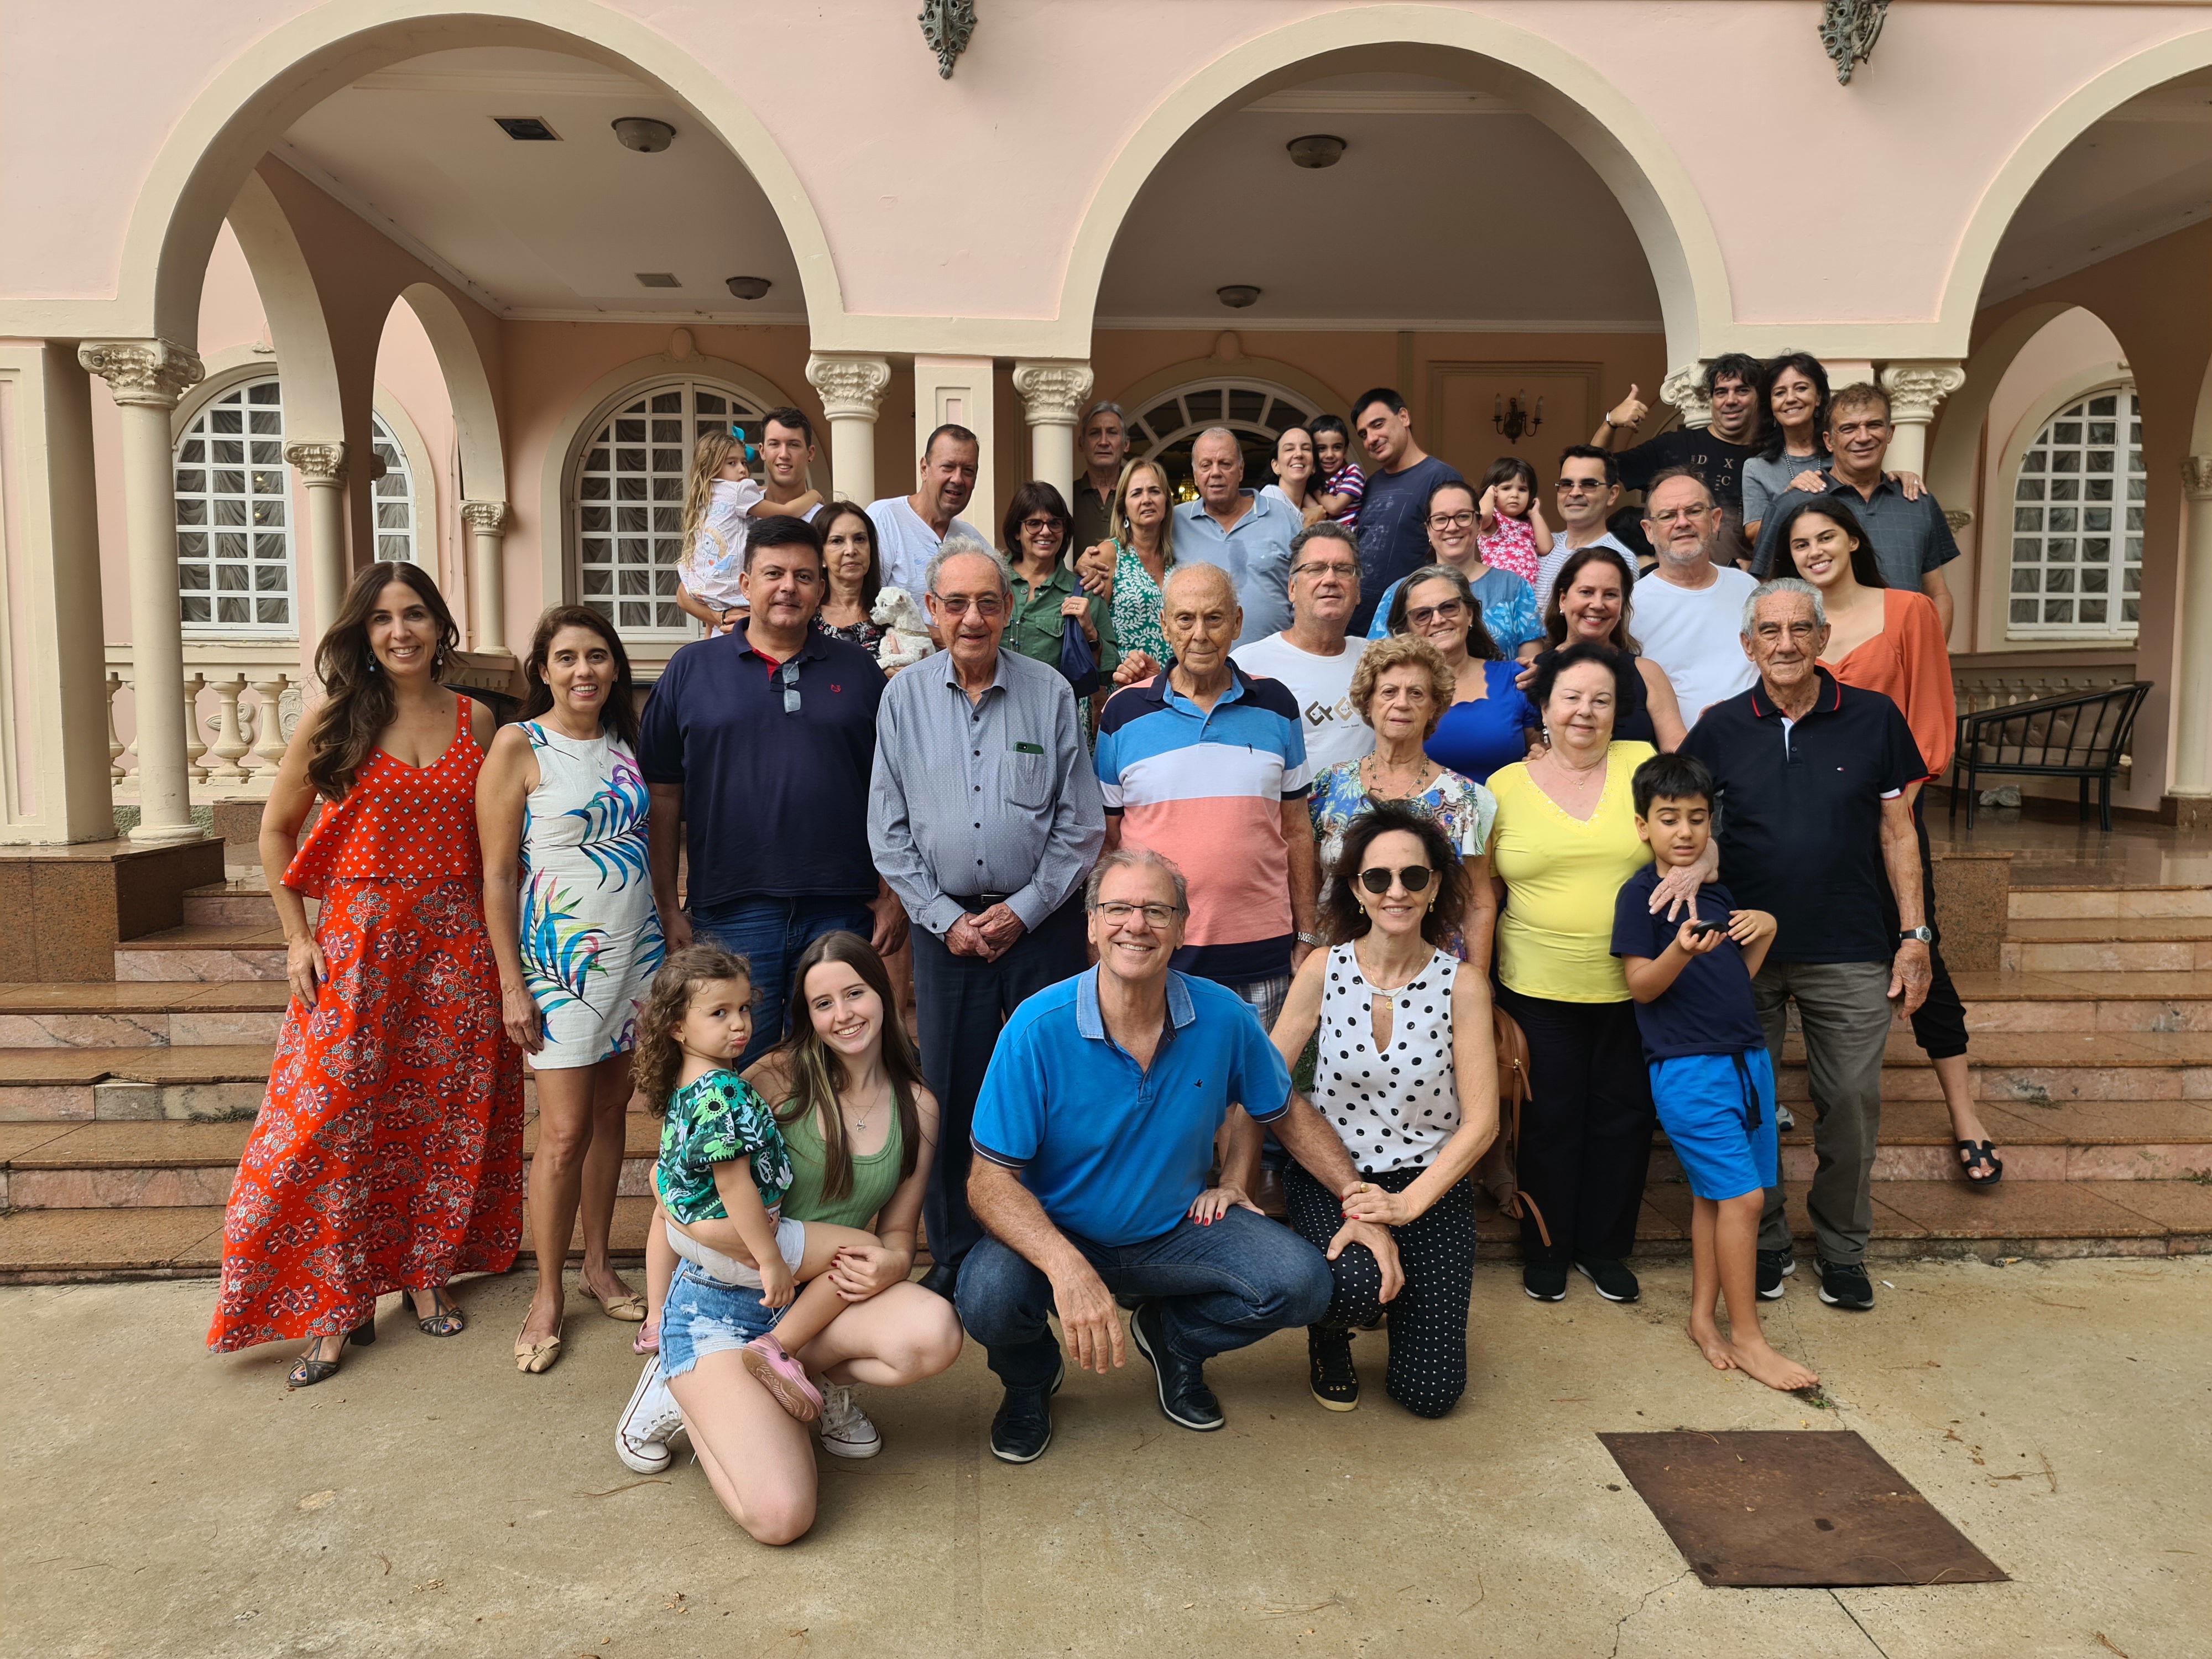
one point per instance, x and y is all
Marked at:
(1427, 1371)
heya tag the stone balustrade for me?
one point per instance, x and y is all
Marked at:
(242, 706)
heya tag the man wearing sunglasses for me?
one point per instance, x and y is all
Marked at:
(756, 747)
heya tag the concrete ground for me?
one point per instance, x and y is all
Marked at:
(430, 1500)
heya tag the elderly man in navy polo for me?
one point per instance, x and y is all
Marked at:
(757, 746)
(1094, 1138)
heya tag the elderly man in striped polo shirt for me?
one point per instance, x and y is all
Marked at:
(984, 818)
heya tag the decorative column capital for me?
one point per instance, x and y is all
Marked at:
(151, 372)
(2196, 477)
(484, 518)
(852, 387)
(1915, 390)
(1053, 391)
(1684, 389)
(317, 464)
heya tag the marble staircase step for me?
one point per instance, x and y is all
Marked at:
(121, 1014)
(208, 1080)
(206, 951)
(2107, 945)
(2051, 903)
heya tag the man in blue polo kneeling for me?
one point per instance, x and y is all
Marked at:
(1094, 1138)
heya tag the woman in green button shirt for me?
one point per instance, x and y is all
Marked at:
(1046, 590)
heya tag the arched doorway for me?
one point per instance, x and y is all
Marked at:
(1257, 412)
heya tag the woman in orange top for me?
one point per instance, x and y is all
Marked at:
(1888, 639)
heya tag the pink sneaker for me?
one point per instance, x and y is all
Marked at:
(648, 1338)
(782, 1376)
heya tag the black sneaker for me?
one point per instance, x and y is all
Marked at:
(1774, 1266)
(1614, 1280)
(1845, 1285)
(1022, 1428)
(1184, 1393)
(1328, 1361)
(1545, 1280)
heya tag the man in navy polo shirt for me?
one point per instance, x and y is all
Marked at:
(1814, 829)
(760, 742)
(1093, 1137)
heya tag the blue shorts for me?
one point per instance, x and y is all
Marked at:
(1718, 1114)
(702, 1316)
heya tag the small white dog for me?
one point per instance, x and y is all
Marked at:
(909, 640)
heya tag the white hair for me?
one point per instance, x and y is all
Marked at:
(962, 545)
(1796, 585)
(1107, 406)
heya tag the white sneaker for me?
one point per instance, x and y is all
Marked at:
(846, 1428)
(648, 1422)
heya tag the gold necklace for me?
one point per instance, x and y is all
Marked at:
(1376, 777)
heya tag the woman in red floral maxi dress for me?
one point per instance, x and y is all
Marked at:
(387, 1155)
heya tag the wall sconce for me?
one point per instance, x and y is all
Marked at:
(1512, 418)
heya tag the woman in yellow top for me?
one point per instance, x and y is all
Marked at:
(1564, 843)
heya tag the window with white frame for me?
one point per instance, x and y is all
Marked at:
(392, 497)
(234, 541)
(2077, 521)
(1256, 413)
(628, 501)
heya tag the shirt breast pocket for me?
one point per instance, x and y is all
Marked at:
(1027, 780)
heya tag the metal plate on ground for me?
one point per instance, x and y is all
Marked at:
(1806, 1508)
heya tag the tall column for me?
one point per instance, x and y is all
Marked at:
(852, 390)
(1685, 389)
(322, 468)
(1915, 390)
(487, 526)
(2192, 705)
(147, 377)
(1052, 399)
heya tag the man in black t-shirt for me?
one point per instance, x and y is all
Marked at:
(1715, 452)
(1394, 514)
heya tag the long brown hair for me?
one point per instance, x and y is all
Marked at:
(361, 705)
(814, 1070)
(1555, 620)
(659, 1060)
(618, 710)
(872, 583)
(707, 454)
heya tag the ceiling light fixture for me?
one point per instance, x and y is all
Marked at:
(644, 134)
(748, 288)
(658, 279)
(1236, 295)
(1317, 150)
(526, 129)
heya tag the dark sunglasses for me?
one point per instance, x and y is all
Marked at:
(1377, 880)
(789, 675)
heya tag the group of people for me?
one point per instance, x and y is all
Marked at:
(1354, 772)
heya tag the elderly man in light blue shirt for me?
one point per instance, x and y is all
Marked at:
(1246, 533)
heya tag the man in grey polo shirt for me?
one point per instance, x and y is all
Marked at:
(1246, 533)
(984, 816)
(1912, 540)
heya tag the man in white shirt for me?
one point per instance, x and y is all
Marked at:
(1688, 614)
(1313, 657)
(910, 529)
(1590, 488)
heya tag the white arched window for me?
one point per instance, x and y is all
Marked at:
(2077, 521)
(393, 496)
(233, 543)
(1256, 413)
(628, 500)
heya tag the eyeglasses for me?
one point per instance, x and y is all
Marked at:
(1334, 568)
(1451, 520)
(1117, 913)
(1038, 526)
(1415, 876)
(1449, 610)
(1674, 513)
(955, 604)
(1576, 486)
(789, 675)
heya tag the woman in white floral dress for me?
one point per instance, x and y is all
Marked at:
(560, 807)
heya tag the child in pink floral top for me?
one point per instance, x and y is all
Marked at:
(1511, 531)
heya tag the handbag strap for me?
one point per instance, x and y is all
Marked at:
(1511, 1044)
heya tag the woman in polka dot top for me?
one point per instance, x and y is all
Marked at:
(1406, 1075)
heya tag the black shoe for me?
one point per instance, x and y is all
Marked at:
(1184, 1393)
(1545, 1280)
(1328, 1362)
(1774, 1266)
(1022, 1428)
(941, 1280)
(1614, 1280)
(1845, 1285)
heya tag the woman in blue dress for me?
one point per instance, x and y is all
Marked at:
(561, 808)
(1488, 722)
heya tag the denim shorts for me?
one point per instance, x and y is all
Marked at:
(702, 1316)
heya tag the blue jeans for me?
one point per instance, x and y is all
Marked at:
(770, 933)
(1220, 1287)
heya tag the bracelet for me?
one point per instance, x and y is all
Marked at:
(1314, 940)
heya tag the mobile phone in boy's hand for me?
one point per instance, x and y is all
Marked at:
(1701, 928)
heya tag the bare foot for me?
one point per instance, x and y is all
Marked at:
(1775, 1369)
(1711, 1343)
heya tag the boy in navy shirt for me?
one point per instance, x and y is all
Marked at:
(1710, 1075)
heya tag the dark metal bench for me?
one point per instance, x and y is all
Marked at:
(2083, 736)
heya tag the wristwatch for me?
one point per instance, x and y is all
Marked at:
(1925, 935)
